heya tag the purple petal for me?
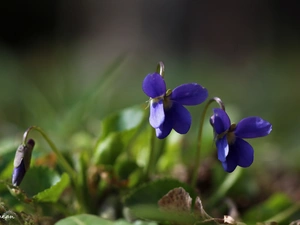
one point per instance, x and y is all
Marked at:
(231, 160)
(157, 115)
(223, 148)
(181, 118)
(154, 85)
(230, 164)
(220, 120)
(244, 152)
(18, 174)
(252, 127)
(189, 94)
(165, 129)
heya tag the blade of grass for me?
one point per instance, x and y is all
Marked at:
(285, 214)
(229, 181)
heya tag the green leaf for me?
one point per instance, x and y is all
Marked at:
(171, 154)
(125, 119)
(118, 131)
(45, 181)
(121, 222)
(137, 222)
(109, 149)
(143, 200)
(136, 177)
(124, 167)
(84, 219)
(53, 193)
(140, 222)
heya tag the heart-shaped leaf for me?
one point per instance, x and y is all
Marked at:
(53, 193)
(44, 184)
(108, 149)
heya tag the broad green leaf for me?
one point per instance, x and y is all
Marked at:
(136, 177)
(137, 222)
(121, 222)
(277, 203)
(140, 222)
(118, 132)
(125, 119)
(172, 154)
(108, 149)
(151, 212)
(84, 219)
(53, 193)
(38, 179)
(124, 167)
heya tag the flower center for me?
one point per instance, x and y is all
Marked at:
(230, 134)
(167, 100)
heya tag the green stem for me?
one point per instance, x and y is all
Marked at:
(152, 154)
(285, 214)
(64, 163)
(229, 181)
(198, 150)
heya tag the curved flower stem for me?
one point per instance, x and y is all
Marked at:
(64, 163)
(198, 151)
(160, 68)
(62, 160)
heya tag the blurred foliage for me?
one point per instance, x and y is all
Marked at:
(106, 141)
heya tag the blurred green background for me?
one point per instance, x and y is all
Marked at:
(55, 53)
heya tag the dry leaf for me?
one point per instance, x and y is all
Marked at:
(176, 200)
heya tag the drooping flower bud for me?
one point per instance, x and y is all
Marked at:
(22, 162)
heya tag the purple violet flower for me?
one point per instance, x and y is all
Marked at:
(166, 106)
(233, 151)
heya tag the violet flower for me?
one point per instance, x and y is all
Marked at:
(233, 151)
(166, 106)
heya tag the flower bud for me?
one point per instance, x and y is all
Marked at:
(22, 162)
